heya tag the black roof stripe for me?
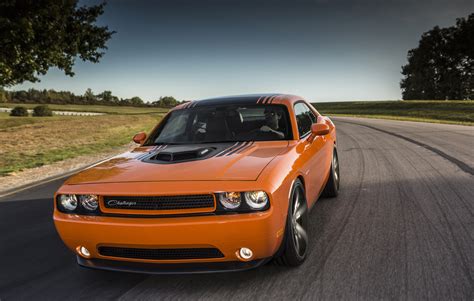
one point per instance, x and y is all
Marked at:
(238, 100)
(273, 97)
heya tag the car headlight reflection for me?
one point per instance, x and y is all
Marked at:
(78, 203)
(256, 199)
(246, 201)
(230, 200)
(68, 202)
(89, 201)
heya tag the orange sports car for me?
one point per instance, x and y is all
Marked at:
(220, 184)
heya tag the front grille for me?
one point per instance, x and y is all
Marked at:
(161, 254)
(198, 201)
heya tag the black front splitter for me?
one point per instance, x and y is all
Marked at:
(170, 268)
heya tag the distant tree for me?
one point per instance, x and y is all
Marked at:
(40, 111)
(89, 96)
(106, 96)
(165, 102)
(442, 66)
(3, 95)
(136, 101)
(66, 97)
(38, 34)
(19, 111)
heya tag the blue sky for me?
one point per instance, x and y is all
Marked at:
(324, 50)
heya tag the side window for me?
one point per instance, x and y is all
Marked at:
(304, 118)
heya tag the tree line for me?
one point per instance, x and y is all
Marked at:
(88, 98)
(442, 66)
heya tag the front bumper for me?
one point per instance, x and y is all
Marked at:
(261, 232)
(170, 268)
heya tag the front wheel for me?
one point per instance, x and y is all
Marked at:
(332, 186)
(295, 242)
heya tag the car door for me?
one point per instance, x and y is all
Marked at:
(311, 151)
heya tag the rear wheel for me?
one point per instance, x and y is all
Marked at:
(295, 243)
(332, 186)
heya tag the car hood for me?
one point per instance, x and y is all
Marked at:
(227, 162)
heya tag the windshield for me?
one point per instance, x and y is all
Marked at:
(224, 124)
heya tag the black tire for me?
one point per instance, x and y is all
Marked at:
(332, 186)
(295, 242)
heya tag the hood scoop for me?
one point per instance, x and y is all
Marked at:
(180, 154)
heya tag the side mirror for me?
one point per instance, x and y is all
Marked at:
(139, 138)
(319, 129)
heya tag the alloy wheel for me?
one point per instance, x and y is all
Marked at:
(299, 213)
(335, 162)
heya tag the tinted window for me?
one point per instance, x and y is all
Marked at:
(304, 118)
(224, 124)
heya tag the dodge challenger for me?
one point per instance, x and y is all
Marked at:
(220, 184)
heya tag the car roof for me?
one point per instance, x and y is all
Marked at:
(267, 98)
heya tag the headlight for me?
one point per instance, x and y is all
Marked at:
(89, 201)
(256, 199)
(230, 200)
(68, 202)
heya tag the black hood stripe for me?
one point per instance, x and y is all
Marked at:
(245, 148)
(155, 150)
(142, 156)
(230, 148)
(244, 145)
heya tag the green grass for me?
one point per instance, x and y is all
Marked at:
(454, 112)
(29, 142)
(92, 108)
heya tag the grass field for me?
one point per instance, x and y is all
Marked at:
(455, 112)
(32, 141)
(92, 108)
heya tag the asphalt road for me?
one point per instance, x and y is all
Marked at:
(402, 228)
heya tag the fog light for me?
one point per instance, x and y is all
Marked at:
(245, 253)
(83, 252)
